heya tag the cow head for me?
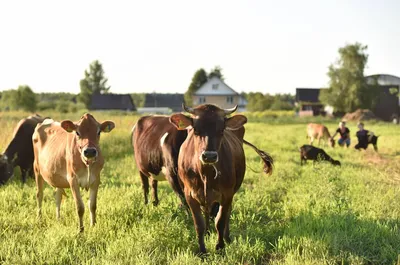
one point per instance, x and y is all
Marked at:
(87, 135)
(207, 125)
(331, 142)
(6, 168)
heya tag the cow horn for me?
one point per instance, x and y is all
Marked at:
(231, 110)
(187, 109)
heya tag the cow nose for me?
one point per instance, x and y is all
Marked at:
(90, 152)
(209, 157)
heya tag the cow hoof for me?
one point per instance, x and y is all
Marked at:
(202, 253)
(220, 246)
(228, 239)
(81, 229)
(155, 203)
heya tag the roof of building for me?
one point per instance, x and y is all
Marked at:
(112, 102)
(383, 79)
(172, 101)
(307, 94)
(215, 87)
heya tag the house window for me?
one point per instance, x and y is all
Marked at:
(202, 100)
(215, 86)
(229, 99)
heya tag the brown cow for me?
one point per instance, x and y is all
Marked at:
(67, 155)
(19, 151)
(212, 165)
(319, 131)
(156, 144)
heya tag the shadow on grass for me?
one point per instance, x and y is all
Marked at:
(346, 236)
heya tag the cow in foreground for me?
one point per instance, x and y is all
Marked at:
(67, 155)
(19, 151)
(319, 131)
(211, 165)
(156, 144)
(309, 152)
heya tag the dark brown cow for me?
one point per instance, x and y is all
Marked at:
(68, 155)
(211, 165)
(156, 144)
(309, 152)
(19, 151)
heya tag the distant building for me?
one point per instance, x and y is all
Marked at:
(215, 91)
(112, 102)
(387, 107)
(162, 103)
(307, 99)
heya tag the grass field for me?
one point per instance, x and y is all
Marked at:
(299, 215)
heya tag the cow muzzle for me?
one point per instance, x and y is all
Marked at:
(89, 155)
(209, 157)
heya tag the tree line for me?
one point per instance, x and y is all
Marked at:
(347, 91)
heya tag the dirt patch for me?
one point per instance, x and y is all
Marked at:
(384, 164)
(360, 115)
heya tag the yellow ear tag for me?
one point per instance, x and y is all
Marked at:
(181, 125)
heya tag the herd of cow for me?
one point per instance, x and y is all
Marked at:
(201, 156)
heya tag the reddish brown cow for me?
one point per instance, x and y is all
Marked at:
(156, 144)
(67, 155)
(212, 165)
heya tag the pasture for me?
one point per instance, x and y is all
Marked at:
(299, 215)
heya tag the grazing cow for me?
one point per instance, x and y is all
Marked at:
(67, 155)
(309, 152)
(156, 144)
(211, 165)
(319, 131)
(19, 151)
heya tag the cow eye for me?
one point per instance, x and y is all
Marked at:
(78, 134)
(98, 133)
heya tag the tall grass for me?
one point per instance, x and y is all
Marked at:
(300, 215)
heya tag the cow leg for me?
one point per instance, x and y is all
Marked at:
(221, 221)
(24, 172)
(58, 195)
(39, 192)
(207, 219)
(198, 221)
(93, 201)
(154, 184)
(145, 186)
(311, 140)
(174, 182)
(80, 206)
(227, 230)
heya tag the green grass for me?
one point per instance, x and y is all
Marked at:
(300, 215)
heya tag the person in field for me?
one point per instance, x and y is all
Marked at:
(344, 134)
(365, 138)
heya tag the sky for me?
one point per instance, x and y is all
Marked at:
(156, 46)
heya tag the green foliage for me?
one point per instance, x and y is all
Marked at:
(300, 215)
(199, 78)
(348, 89)
(22, 98)
(138, 99)
(260, 102)
(217, 72)
(94, 82)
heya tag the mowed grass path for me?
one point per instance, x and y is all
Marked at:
(299, 215)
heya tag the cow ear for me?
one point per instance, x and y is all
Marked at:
(107, 126)
(236, 122)
(180, 121)
(68, 125)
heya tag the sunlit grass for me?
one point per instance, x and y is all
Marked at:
(300, 215)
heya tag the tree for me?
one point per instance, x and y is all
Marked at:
(199, 78)
(348, 89)
(259, 102)
(217, 71)
(94, 82)
(22, 98)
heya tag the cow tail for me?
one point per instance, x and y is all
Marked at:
(267, 159)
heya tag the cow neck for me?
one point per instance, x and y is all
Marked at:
(11, 150)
